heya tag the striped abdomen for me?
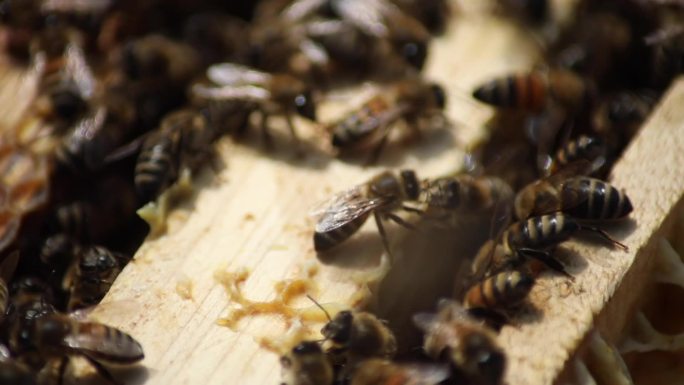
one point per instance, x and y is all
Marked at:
(328, 239)
(540, 232)
(583, 148)
(105, 343)
(4, 297)
(156, 167)
(594, 199)
(520, 91)
(503, 290)
(360, 125)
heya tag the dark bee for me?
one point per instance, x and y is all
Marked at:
(347, 211)
(619, 117)
(359, 335)
(470, 347)
(376, 18)
(306, 364)
(588, 148)
(370, 125)
(534, 91)
(279, 94)
(155, 58)
(534, 238)
(504, 290)
(91, 276)
(384, 372)
(58, 336)
(580, 197)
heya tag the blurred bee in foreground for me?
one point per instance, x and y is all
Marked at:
(347, 211)
(358, 335)
(58, 336)
(369, 126)
(376, 18)
(470, 347)
(306, 364)
(384, 372)
(535, 90)
(156, 59)
(502, 291)
(532, 238)
(273, 93)
(580, 197)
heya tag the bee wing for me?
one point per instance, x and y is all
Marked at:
(243, 93)
(425, 374)
(90, 125)
(301, 9)
(367, 15)
(78, 6)
(104, 343)
(78, 69)
(230, 74)
(345, 207)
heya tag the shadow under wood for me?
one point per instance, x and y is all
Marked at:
(362, 250)
(619, 231)
(125, 375)
(429, 264)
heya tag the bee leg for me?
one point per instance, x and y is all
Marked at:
(413, 210)
(547, 259)
(400, 221)
(293, 133)
(62, 369)
(383, 234)
(266, 138)
(605, 236)
(377, 150)
(101, 370)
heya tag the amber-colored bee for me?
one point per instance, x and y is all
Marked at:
(384, 372)
(370, 124)
(279, 94)
(57, 336)
(534, 238)
(582, 198)
(91, 276)
(504, 290)
(306, 364)
(470, 346)
(534, 91)
(359, 335)
(344, 214)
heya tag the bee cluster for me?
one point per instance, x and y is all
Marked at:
(132, 93)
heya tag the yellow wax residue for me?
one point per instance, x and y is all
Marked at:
(156, 213)
(184, 288)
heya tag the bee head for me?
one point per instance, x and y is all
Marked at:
(439, 94)
(339, 329)
(97, 260)
(411, 184)
(305, 105)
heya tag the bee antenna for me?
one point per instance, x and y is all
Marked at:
(320, 307)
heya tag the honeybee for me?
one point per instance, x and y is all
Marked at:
(359, 335)
(583, 148)
(273, 93)
(370, 124)
(620, 116)
(533, 238)
(306, 364)
(384, 372)
(66, 92)
(376, 18)
(215, 36)
(470, 346)
(533, 91)
(91, 276)
(582, 198)
(58, 336)
(501, 291)
(347, 211)
(181, 141)
(156, 59)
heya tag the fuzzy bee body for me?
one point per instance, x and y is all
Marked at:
(587, 148)
(597, 200)
(500, 291)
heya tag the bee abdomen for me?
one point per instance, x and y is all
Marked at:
(503, 290)
(155, 169)
(600, 199)
(544, 231)
(521, 91)
(328, 239)
(116, 347)
(585, 147)
(360, 125)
